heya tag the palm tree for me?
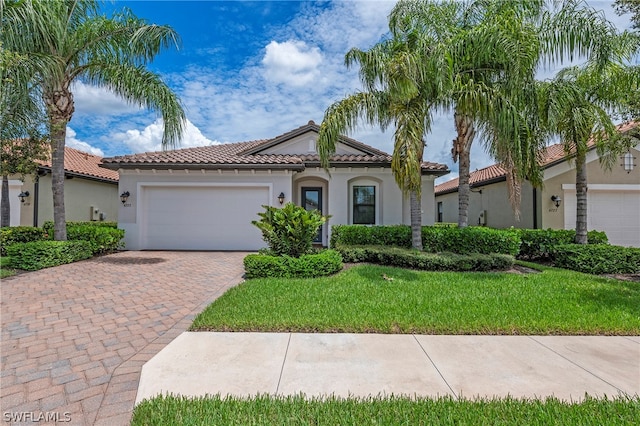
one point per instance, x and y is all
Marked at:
(576, 106)
(106, 52)
(494, 48)
(397, 93)
(21, 122)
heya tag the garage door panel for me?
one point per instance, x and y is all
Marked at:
(203, 218)
(614, 212)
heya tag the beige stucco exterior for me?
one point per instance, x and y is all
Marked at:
(392, 207)
(214, 186)
(80, 194)
(492, 202)
(565, 174)
(559, 180)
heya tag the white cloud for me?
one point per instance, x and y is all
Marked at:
(291, 62)
(93, 100)
(150, 138)
(72, 142)
(293, 79)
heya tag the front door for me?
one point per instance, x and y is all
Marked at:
(312, 200)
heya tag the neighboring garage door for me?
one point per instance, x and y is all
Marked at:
(202, 217)
(615, 212)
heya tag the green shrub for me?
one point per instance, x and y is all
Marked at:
(538, 244)
(597, 258)
(435, 239)
(104, 237)
(388, 235)
(407, 258)
(48, 225)
(290, 230)
(101, 239)
(44, 254)
(19, 234)
(471, 239)
(320, 264)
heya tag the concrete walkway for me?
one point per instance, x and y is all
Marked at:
(75, 337)
(244, 364)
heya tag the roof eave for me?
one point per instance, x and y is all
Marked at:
(82, 175)
(200, 166)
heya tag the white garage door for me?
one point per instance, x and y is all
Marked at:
(202, 218)
(615, 212)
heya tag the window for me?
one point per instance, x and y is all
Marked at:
(440, 211)
(364, 205)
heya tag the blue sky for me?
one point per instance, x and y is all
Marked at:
(251, 70)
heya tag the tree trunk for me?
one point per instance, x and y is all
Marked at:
(5, 220)
(581, 198)
(59, 102)
(416, 220)
(462, 151)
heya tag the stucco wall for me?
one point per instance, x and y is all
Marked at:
(565, 173)
(492, 199)
(134, 182)
(79, 195)
(392, 207)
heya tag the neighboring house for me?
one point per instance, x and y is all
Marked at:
(205, 198)
(613, 202)
(90, 192)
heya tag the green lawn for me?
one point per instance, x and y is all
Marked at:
(265, 410)
(4, 272)
(360, 300)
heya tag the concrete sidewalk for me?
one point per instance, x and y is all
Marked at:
(244, 364)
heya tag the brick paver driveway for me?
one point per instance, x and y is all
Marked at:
(75, 337)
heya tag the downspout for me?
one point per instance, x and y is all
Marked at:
(535, 208)
(36, 190)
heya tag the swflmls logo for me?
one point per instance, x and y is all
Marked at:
(34, 417)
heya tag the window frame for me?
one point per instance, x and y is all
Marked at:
(355, 205)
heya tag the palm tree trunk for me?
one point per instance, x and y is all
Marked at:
(462, 151)
(416, 220)
(581, 198)
(5, 220)
(59, 102)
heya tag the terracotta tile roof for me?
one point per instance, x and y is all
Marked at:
(84, 164)
(223, 154)
(312, 126)
(487, 174)
(247, 155)
(552, 155)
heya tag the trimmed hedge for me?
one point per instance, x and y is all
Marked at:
(104, 237)
(48, 225)
(538, 244)
(101, 239)
(472, 239)
(19, 234)
(435, 239)
(597, 258)
(362, 235)
(406, 258)
(324, 263)
(37, 255)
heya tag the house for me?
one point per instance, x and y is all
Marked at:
(613, 197)
(90, 192)
(205, 198)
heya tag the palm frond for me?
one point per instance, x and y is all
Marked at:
(141, 87)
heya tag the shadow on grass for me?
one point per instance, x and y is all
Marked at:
(612, 293)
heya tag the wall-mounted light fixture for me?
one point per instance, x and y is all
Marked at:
(124, 196)
(281, 197)
(23, 195)
(556, 200)
(627, 162)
